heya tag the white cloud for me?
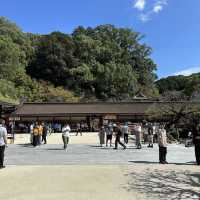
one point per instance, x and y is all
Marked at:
(140, 4)
(188, 71)
(158, 6)
(145, 17)
(154, 8)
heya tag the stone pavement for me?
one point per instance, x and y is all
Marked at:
(87, 154)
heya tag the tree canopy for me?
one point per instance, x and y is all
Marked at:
(183, 87)
(104, 62)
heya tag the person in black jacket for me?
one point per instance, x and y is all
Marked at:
(44, 133)
(196, 141)
(118, 135)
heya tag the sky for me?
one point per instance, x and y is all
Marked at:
(171, 27)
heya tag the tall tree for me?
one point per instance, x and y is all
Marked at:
(53, 59)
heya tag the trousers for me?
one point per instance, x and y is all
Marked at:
(197, 153)
(162, 153)
(2, 150)
(126, 138)
(117, 140)
(65, 141)
(44, 138)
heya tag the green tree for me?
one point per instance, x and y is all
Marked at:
(10, 58)
(53, 59)
(12, 31)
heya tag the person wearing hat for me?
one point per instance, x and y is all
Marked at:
(3, 142)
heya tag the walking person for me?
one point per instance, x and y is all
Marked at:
(3, 142)
(44, 133)
(196, 141)
(118, 135)
(102, 136)
(65, 135)
(138, 135)
(125, 132)
(162, 143)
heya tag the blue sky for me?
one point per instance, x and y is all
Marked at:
(171, 27)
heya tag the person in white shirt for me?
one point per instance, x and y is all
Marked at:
(65, 135)
(31, 133)
(3, 142)
(138, 135)
(162, 143)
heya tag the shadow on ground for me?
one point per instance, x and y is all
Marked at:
(172, 163)
(165, 185)
(28, 145)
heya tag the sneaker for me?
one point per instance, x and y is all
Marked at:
(2, 167)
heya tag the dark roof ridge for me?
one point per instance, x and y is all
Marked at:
(88, 103)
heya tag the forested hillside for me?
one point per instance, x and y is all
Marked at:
(91, 64)
(180, 87)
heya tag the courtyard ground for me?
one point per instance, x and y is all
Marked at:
(87, 171)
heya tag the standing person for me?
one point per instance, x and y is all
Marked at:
(118, 134)
(102, 136)
(40, 132)
(78, 129)
(65, 135)
(109, 133)
(31, 133)
(150, 135)
(82, 127)
(125, 132)
(138, 135)
(44, 133)
(162, 143)
(3, 142)
(196, 141)
(35, 135)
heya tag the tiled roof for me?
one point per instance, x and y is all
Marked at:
(62, 109)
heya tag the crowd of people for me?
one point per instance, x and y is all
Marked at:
(120, 131)
(148, 132)
(38, 133)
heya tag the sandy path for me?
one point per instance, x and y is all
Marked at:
(133, 182)
(63, 182)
